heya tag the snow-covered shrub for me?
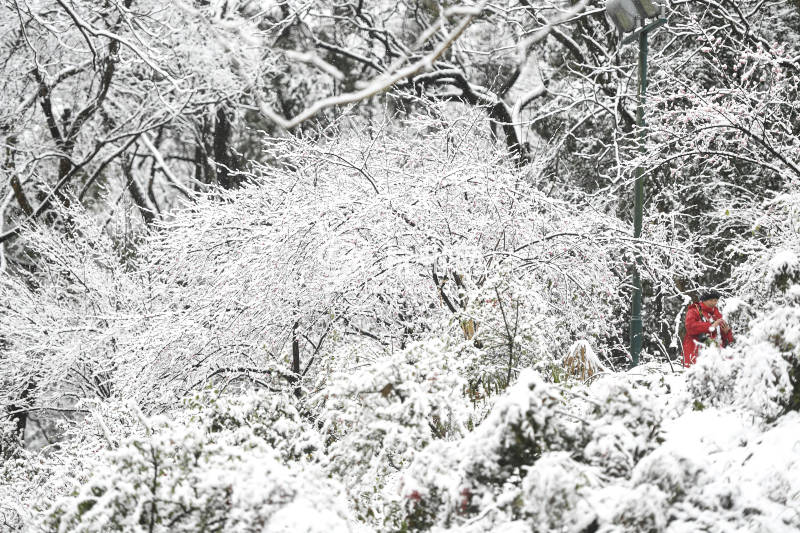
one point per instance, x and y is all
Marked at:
(711, 380)
(673, 473)
(759, 373)
(730, 505)
(555, 493)
(718, 470)
(183, 478)
(272, 417)
(781, 329)
(783, 270)
(752, 376)
(253, 421)
(639, 510)
(31, 480)
(376, 418)
(452, 481)
(613, 447)
(625, 425)
(770, 280)
(714, 473)
(9, 438)
(581, 362)
(523, 424)
(536, 457)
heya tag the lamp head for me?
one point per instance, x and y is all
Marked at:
(626, 13)
(623, 14)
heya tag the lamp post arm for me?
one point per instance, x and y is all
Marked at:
(644, 29)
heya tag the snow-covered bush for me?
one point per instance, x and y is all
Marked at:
(781, 329)
(783, 270)
(555, 493)
(769, 282)
(625, 425)
(643, 508)
(581, 362)
(452, 481)
(535, 458)
(11, 464)
(671, 472)
(272, 417)
(754, 376)
(712, 378)
(184, 478)
(211, 425)
(691, 493)
(9, 437)
(377, 417)
(31, 480)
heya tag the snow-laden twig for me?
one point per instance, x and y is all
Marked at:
(163, 165)
(106, 433)
(544, 31)
(314, 59)
(132, 405)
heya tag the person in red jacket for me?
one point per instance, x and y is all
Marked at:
(704, 322)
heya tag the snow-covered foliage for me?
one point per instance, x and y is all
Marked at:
(454, 479)
(197, 478)
(378, 416)
(271, 417)
(764, 374)
(429, 328)
(547, 460)
(30, 479)
(753, 376)
(9, 439)
(397, 445)
(531, 458)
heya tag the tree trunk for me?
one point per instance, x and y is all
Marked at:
(19, 411)
(138, 195)
(16, 186)
(296, 359)
(222, 152)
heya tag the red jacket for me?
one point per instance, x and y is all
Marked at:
(699, 318)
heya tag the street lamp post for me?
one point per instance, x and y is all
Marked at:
(626, 16)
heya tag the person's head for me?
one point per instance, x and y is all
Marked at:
(710, 298)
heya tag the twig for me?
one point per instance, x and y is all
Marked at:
(163, 165)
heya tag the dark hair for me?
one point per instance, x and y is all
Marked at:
(710, 295)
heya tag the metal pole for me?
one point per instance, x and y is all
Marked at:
(638, 202)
